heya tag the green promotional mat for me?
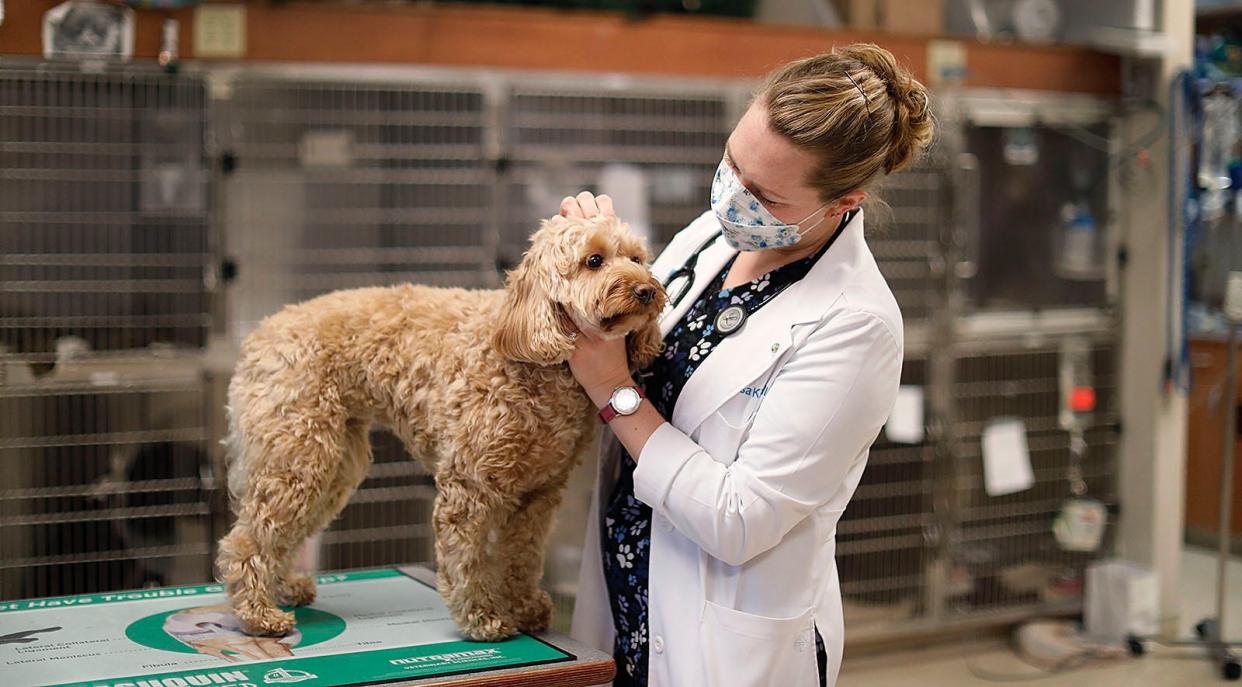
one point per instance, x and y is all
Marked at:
(366, 627)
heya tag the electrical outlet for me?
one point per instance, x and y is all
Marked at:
(220, 31)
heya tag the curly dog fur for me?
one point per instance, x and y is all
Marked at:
(472, 381)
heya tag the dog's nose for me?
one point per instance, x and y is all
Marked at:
(644, 293)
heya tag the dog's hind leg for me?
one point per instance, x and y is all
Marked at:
(249, 560)
(286, 486)
(468, 573)
(296, 588)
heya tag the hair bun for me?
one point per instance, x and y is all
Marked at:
(913, 128)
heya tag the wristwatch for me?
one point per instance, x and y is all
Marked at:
(624, 401)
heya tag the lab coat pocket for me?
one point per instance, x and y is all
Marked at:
(742, 649)
(720, 438)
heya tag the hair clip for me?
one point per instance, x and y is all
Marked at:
(866, 100)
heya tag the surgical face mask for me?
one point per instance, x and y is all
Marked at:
(745, 222)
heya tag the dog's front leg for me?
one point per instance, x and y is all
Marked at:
(468, 575)
(523, 540)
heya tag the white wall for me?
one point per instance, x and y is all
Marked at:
(1153, 446)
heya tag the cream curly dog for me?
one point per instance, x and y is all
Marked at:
(476, 386)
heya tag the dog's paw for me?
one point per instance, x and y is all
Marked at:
(265, 622)
(534, 613)
(483, 627)
(296, 589)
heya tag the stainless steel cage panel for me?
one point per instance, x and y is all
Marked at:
(103, 218)
(336, 182)
(883, 542)
(1003, 553)
(905, 231)
(107, 482)
(560, 138)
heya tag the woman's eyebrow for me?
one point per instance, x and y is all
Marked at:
(757, 189)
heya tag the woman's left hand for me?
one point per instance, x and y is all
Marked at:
(600, 365)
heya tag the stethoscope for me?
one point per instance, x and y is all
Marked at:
(731, 319)
(686, 271)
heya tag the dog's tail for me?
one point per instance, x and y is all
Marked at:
(235, 462)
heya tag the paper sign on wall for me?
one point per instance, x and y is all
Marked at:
(905, 424)
(1006, 458)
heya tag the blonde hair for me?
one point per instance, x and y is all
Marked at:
(860, 114)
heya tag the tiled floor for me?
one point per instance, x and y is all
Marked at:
(951, 665)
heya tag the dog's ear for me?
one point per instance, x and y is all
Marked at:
(643, 345)
(532, 328)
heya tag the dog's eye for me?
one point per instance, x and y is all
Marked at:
(595, 262)
(637, 259)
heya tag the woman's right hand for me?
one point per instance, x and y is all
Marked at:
(587, 205)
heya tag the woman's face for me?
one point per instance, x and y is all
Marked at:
(775, 171)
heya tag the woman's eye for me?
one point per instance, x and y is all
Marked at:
(595, 262)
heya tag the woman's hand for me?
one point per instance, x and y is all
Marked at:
(587, 205)
(600, 366)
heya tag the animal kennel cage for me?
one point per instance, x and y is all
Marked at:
(104, 210)
(107, 480)
(336, 179)
(1047, 163)
(1004, 555)
(104, 244)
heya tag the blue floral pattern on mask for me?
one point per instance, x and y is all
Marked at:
(745, 222)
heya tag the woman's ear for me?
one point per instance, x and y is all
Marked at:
(531, 327)
(643, 345)
(849, 201)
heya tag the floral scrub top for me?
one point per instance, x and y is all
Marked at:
(627, 521)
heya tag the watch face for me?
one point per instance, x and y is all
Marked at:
(626, 400)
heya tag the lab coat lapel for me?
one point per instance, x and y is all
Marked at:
(734, 363)
(768, 333)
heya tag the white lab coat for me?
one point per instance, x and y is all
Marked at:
(748, 479)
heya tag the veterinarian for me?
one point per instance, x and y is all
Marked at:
(710, 559)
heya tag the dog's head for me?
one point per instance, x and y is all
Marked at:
(580, 276)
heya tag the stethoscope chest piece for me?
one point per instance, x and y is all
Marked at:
(730, 319)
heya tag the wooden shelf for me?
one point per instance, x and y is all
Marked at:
(547, 39)
(1203, 439)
